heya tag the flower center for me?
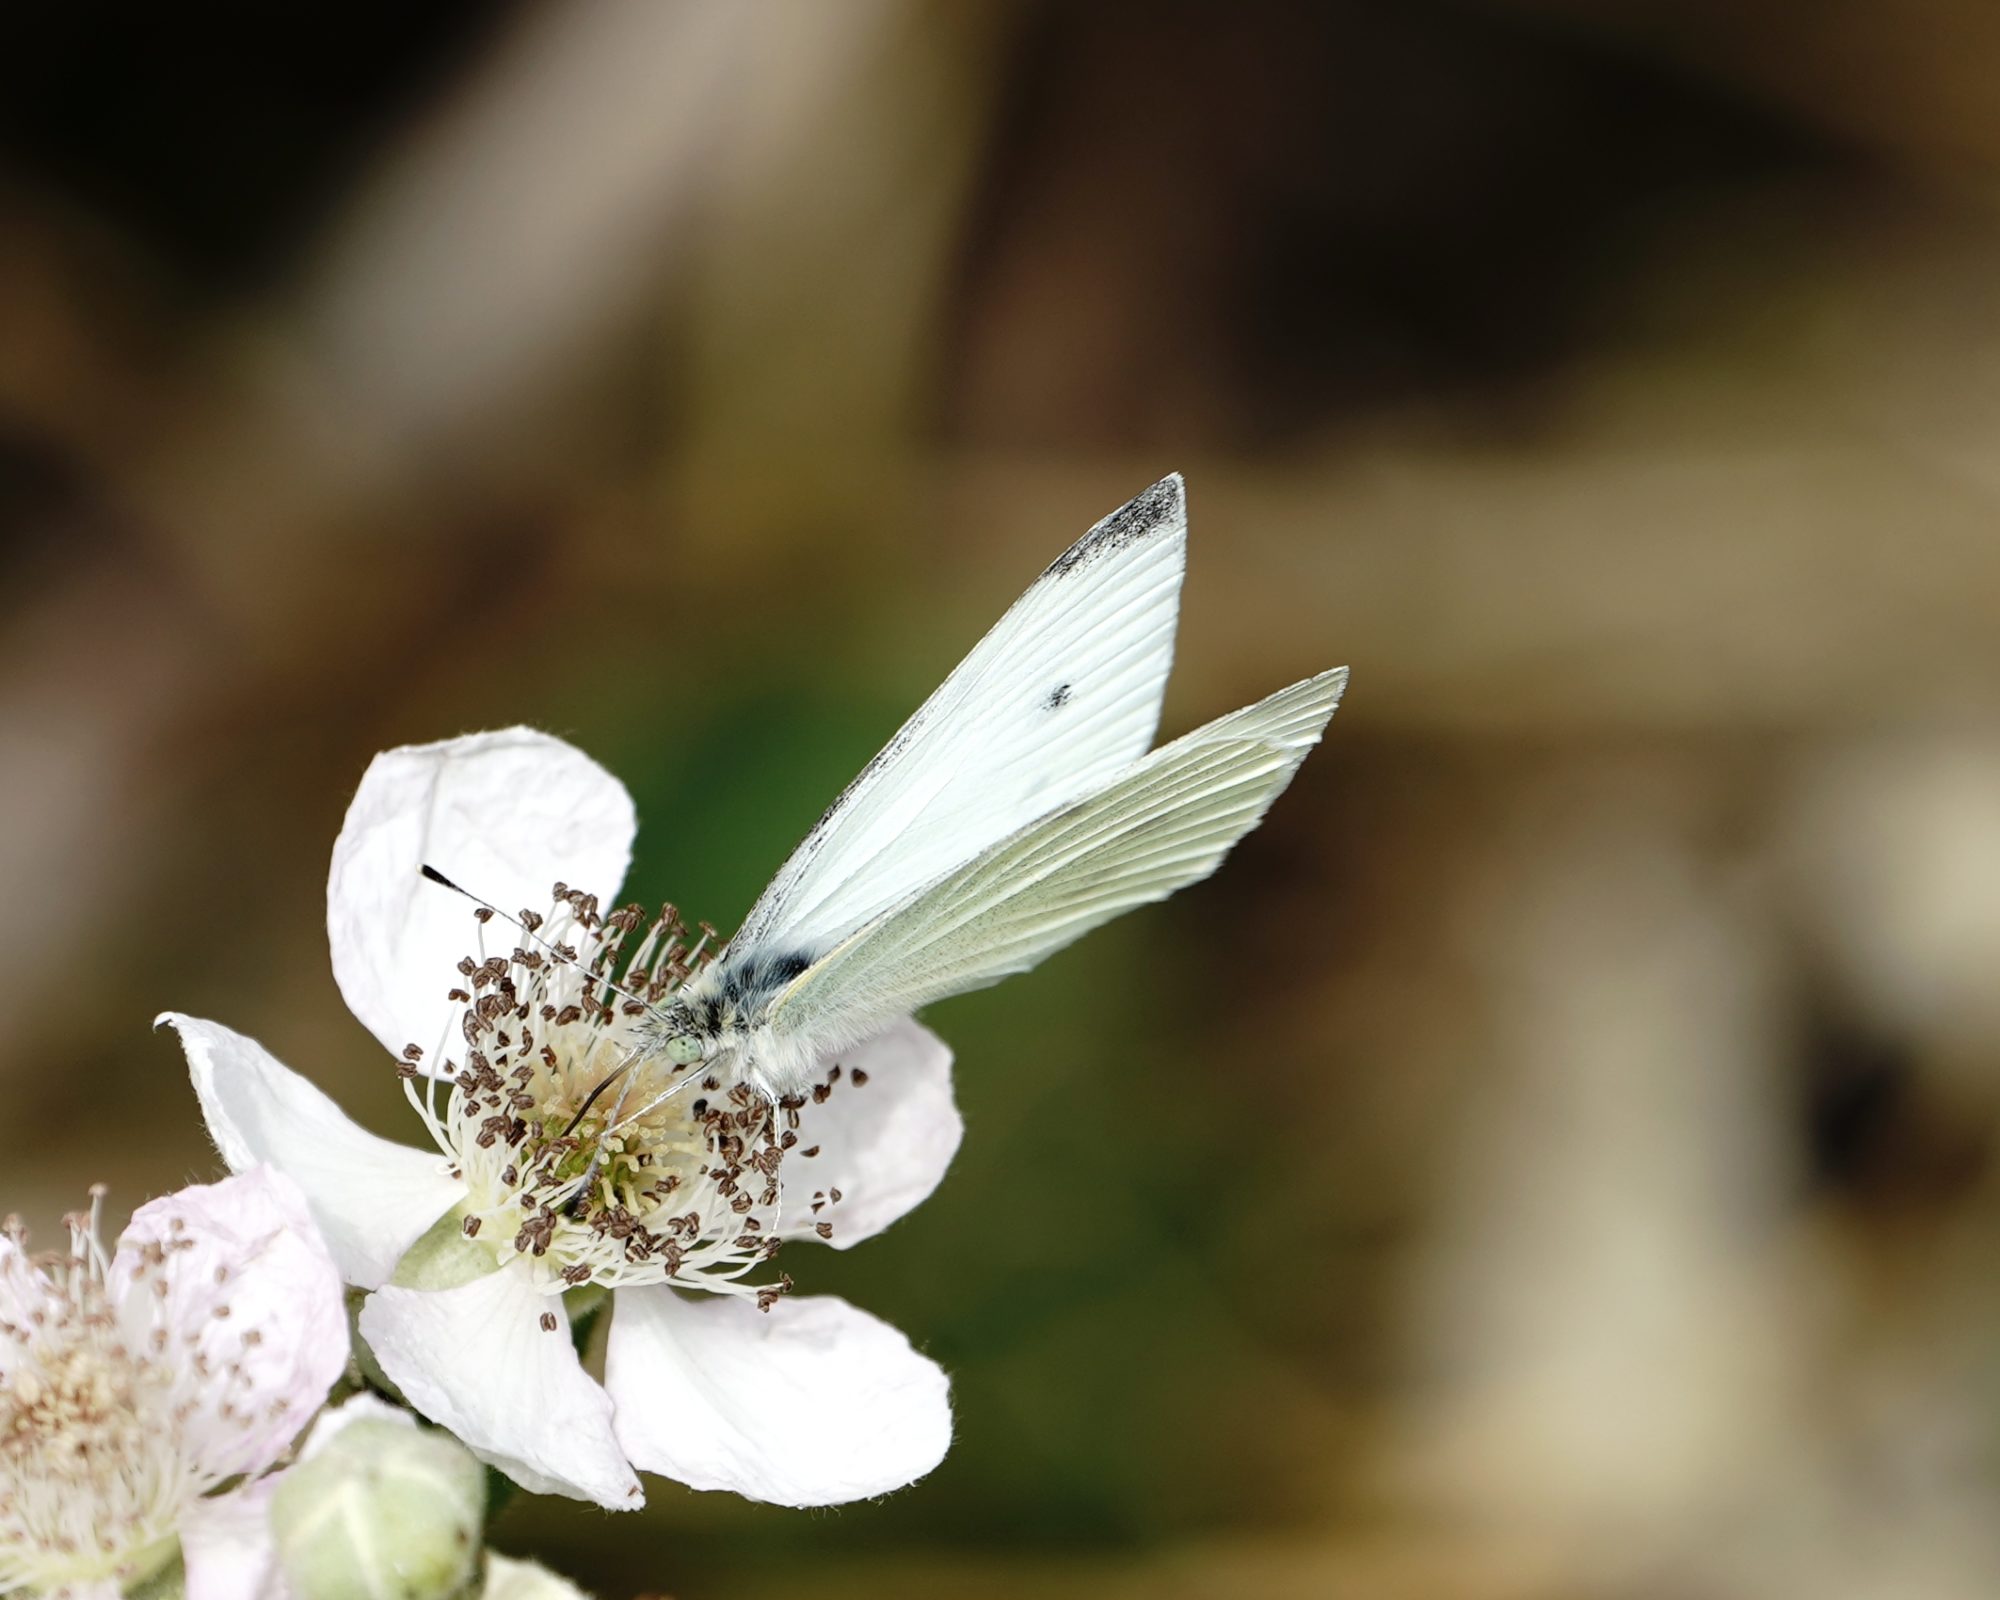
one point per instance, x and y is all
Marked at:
(92, 1476)
(75, 1408)
(583, 1157)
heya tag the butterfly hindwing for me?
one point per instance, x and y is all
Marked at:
(1167, 821)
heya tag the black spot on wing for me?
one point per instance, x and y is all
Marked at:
(1161, 507)
(1057, 698)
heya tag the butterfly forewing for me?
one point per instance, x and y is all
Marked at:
(1167, 822)
(1058, 698)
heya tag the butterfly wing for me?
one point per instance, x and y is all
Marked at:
(1062, 694)
(1166, 822)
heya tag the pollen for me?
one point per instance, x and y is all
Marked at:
(587, 1158)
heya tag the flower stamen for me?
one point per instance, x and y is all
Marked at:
(561, 1175)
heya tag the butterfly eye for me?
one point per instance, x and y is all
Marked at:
(685, 1049)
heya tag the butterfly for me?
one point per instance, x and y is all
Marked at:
(1021, 806)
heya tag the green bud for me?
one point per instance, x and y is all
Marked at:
(509, 1579)
(162, 1573)
(444, 1258)
(384, 1511)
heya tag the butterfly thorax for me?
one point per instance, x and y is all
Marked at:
(723, 1016)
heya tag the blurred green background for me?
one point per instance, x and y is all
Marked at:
(1555, 1157)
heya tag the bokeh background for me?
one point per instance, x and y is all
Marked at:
(1555, 1157)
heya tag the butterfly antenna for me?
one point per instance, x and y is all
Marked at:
(581, 1194)
(619, 1121)
(590, 1099)
(554, 951)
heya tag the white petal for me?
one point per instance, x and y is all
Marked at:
(250, 1286)
(884, 1145)
(227, 1546)
(371, 1198)
(478, 1361)
(811, 1403)
(505, 815)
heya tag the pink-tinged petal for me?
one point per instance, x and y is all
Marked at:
(883, 1143)
(25, 1291)
(237, 1274)
(505, 815)
(811, 1403)
(227, 1546)
(478, 1360)
(371, 1198)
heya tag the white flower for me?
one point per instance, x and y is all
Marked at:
(534, 1187)
(130, 1388)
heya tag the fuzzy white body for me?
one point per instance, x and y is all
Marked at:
(734, 1038)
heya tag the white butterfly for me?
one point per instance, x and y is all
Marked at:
(1014, 812)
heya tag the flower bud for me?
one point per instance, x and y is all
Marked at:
(167, 1582)
(383, 1509)
(509, 1579)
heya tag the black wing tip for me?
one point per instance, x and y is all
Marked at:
(1158, 509)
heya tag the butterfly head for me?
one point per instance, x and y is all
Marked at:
(685, 1049)
(680, 1033)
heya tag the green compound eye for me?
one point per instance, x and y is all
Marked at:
(685, 1049)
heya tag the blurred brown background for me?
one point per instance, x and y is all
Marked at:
(1554, 1158)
